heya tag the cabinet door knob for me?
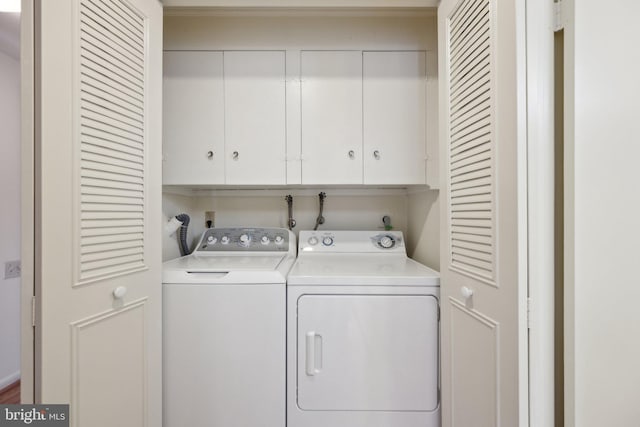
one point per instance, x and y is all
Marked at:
(376, 154)
(210, 154)
(119, 292)
(466, 292)
(236, 155)
(352, 154)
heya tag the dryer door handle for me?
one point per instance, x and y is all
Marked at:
(313, 353)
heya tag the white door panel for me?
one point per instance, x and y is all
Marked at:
(254, 93)
(98, 204)
(374, 353)
(193, 119)
(484, 335)
(394, 114)
(331, 117)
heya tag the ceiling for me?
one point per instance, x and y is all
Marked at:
(10, 34)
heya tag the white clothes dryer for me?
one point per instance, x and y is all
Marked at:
(362, 333)
(224, 324)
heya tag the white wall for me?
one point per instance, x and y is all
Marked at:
(602, 209)
(423, 228)
(9, 217)
(342, 211)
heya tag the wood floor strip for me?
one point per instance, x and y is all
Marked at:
(10, 395)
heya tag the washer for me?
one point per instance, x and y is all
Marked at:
(362, 333)
(224, 327)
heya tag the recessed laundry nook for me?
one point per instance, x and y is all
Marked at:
(302, 120)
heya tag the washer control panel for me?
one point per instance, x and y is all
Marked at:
(351, 241)
(244, 240)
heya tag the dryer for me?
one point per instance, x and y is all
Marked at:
(224, 326)
(362, 333)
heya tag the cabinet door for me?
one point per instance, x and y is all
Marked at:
(331, 117)
(254, 84)
(193, 118)
(394, 109)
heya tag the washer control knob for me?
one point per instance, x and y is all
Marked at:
(245, 239)
(278, 240)
(265, 240)
(212, 240)
(327, 241)
(313, 240)
(225, 240)
(387, 242)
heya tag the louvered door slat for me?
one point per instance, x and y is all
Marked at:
(462, 17)
(111, 27)
(472, 45)
(103, 90)
(96, 135)
(112, 134)
(105, 61)
(470, 133)
(472, 237)
(89, 149)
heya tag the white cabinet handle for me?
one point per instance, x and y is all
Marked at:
(466, 292)
(376, 154)
(236, 155)
(210, 154)
(352, 154)
(119, 292)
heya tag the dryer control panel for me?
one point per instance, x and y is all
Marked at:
(245, 240)
(352, 242)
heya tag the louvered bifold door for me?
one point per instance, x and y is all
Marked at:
(98, 204)
(480, 252)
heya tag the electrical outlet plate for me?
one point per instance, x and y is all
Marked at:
(12, 269)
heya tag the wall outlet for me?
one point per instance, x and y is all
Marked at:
(209, 219)
(12, 269)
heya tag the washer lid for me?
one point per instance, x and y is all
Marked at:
(227, 268)
(361, 269)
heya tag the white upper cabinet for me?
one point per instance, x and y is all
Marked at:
(193, 118)
(394, 114)
(255, 143)
(331, 93)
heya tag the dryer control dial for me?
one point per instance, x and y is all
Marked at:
(225, 240)
(212, 240)
(265, 240)
(327, 241)
(313, 240)
(387, 242)
(278, 240)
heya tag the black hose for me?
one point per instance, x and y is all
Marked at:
(182, 235)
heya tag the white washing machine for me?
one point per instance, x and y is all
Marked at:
(224, 325)
(362, 333)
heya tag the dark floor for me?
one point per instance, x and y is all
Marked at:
(10, 394)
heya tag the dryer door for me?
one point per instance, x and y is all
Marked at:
(367, 352)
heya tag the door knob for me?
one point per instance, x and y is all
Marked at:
(352, 154)
(466, 292)
(376, 154)
(119, 292)
(210, 154)
(236, 155)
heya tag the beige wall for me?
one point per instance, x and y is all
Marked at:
(423, 227)
(602, 206)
